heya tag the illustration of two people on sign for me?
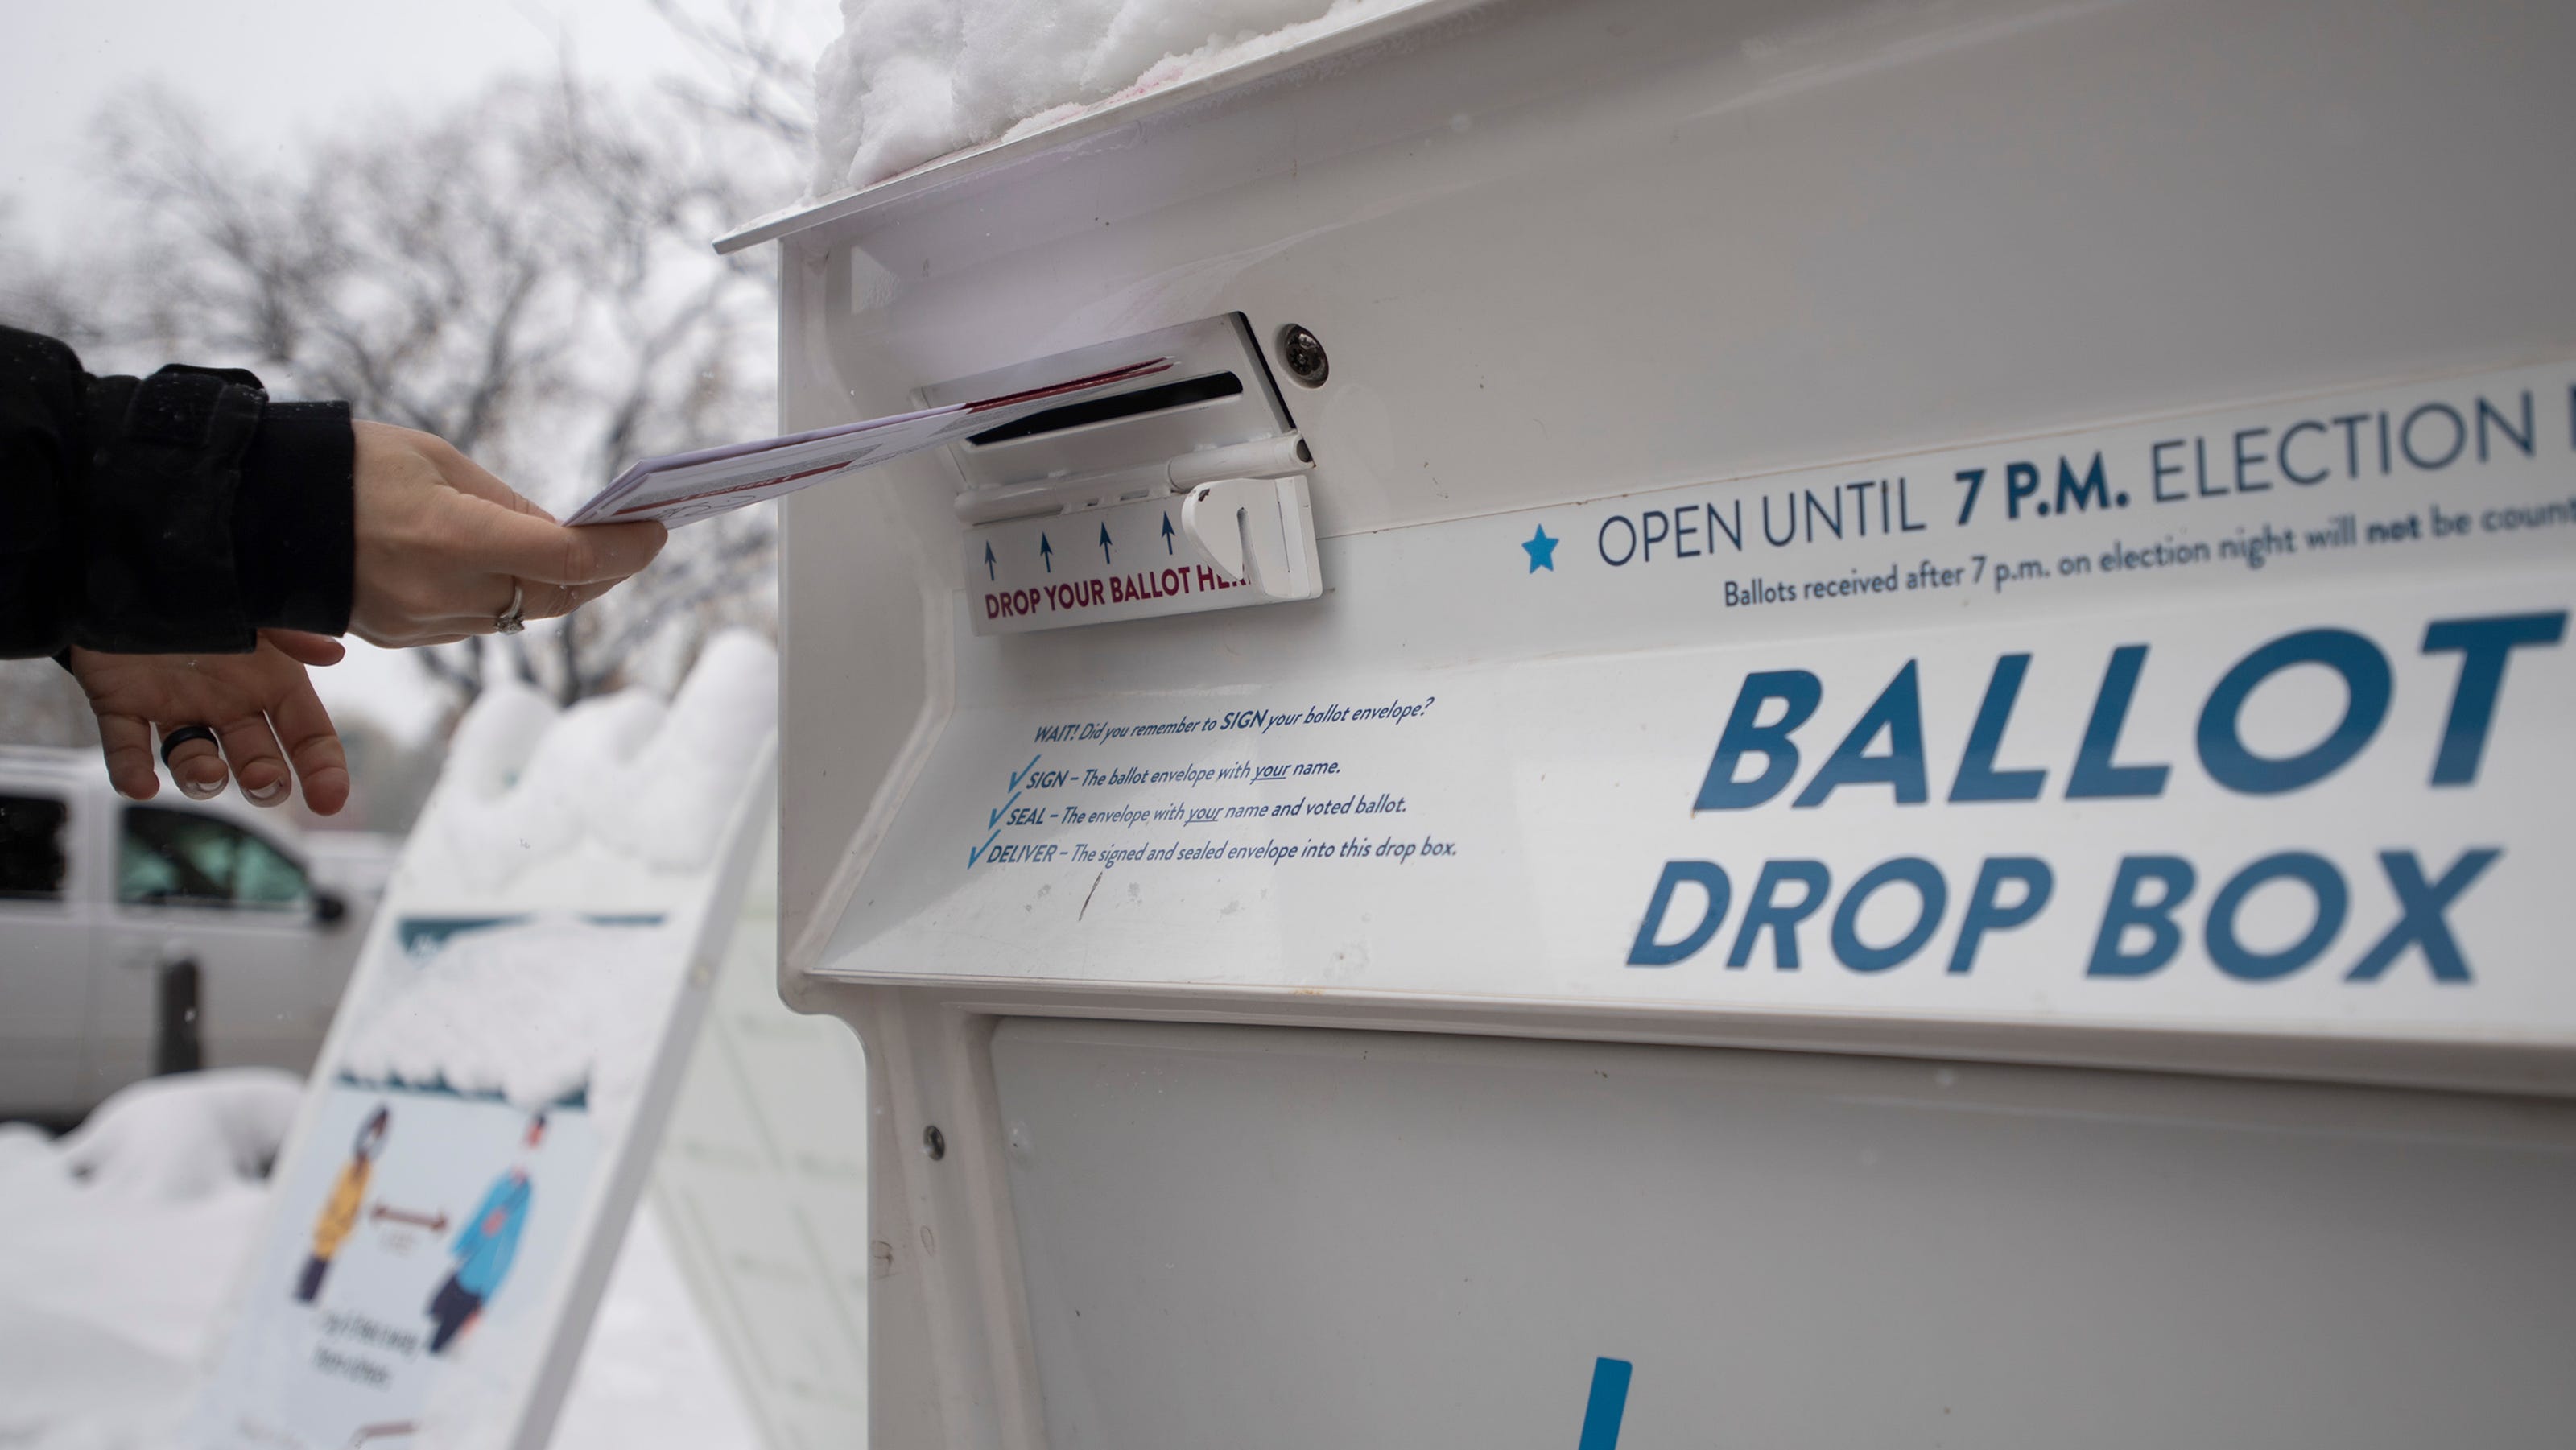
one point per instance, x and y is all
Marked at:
(339, 1216)
(484, 1248)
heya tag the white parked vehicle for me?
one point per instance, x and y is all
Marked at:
(142, 937)
(356, 866)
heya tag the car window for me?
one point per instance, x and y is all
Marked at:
(264, 876)
(167, 857)
(32, 859)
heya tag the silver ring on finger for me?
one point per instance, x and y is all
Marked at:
(514, 618)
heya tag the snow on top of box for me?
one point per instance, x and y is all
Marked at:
(913, 80)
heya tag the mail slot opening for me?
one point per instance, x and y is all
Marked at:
(1161, 399)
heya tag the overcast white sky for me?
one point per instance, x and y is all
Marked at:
(276, 71)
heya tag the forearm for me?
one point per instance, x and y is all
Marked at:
(176, 513)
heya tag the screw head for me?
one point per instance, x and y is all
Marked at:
(934, 1142)
(1302, 353)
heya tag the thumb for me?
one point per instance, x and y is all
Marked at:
(306, 649)
(543, 551)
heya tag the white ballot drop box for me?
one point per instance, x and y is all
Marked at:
(1823, 724)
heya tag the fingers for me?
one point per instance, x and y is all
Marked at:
(291, 712)
(583, 594)
(258, 765)
(543, 552)
(553, 601)
(420, 638)
(196, 764)
(237, 697)
(127, 744)
(306, 649)
(437, 535)
(467, 476)
(313, 744)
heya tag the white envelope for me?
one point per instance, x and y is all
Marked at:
(682, 488)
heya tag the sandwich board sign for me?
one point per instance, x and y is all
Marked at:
(486, 1107)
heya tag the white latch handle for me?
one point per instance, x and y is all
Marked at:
(1257, 531)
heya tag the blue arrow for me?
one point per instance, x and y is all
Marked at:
(976, 853)
(988, 561)
(995, 818)
(1046, 553)
(1022, 772)
(1104, 543)
(1167, 531)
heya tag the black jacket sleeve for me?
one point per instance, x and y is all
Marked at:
(176, 513)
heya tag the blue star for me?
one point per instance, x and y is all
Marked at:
(1542, 551)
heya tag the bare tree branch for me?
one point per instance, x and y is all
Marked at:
(769, 78)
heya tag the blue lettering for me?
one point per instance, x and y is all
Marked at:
(2163, 470)
(2323, 881)
(1978, 780)
(1765, 910)
(2520, 438)
(2074, 495)
(1898, 710)
(1815, 511)
(2406, 437)
(2021, 480)
(1732, 527)
(1711, 880)
(2245, 460)
(2126, 910)
(1627, 550)
(2420, 920)
(1986, 911)
(2484, 645)
(2366, 688)
(2094, 776)
(2290, 471)
(1975, 478)
(1791, 508)
(1798, 693)
(1934, 898)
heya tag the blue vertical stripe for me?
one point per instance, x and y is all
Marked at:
(1608, 1405)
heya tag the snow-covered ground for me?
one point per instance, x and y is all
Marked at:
(910, 80)
(119, 1243)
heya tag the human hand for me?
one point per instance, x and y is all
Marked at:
(441, 543)
(252, 702)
